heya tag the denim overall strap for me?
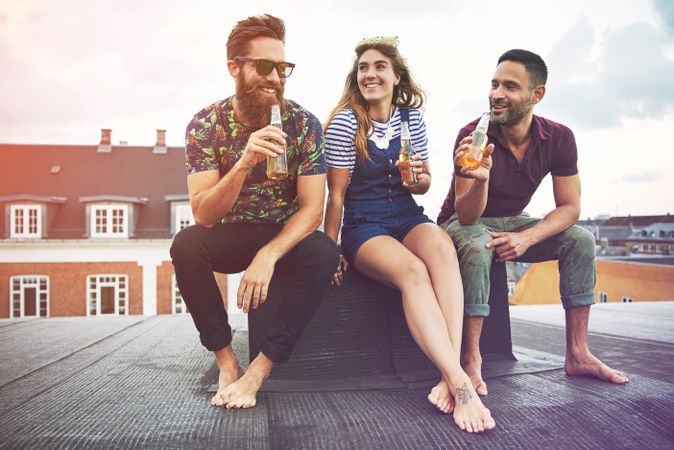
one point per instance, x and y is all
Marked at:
(377, 178)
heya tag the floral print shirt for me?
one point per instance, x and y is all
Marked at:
(215, 140)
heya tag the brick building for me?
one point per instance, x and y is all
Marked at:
(86, 230)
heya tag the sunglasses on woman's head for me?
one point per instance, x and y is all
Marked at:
(264, 66)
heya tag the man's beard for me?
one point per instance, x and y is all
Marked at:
(512, 115)
(254, 105)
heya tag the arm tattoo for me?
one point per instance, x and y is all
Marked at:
(464, 394)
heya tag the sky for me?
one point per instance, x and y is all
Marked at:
(70, 68)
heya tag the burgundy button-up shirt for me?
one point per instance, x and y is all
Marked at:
(511, 184)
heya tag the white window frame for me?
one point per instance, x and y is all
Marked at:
(178, 305)
(94, 284)
(22, 229)
(183, 217)
(602, 297)
(108, 211)
(17, 287)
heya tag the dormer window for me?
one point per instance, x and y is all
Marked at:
(109, 221)
(112, 216)
(26, 221)
(184, 217)
(181, 212)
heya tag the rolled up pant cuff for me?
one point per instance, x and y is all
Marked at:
(216, 343)
(575, 301)
(476, 310)
(273, 353)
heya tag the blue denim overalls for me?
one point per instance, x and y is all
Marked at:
(376, 203)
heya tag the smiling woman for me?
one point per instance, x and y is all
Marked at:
(385, 234)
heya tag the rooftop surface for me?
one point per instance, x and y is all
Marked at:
(142, 382)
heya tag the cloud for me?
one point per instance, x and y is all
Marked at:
(596, 86)
(666, 10)
(644, 177)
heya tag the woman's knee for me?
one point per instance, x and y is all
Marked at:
(414, 272)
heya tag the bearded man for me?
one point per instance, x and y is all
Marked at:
(483, 212)
(247, 222)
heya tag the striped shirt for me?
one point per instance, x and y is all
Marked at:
(340, 147)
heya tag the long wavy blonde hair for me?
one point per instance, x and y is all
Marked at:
(406, 94)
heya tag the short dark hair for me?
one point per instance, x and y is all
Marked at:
(536, 68)
(248, 29)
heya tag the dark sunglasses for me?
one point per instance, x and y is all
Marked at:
(264, 66)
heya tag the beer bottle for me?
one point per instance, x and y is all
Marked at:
(473, 155)
(277, 166)
(408, 176)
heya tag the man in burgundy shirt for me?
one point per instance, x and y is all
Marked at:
(483, 212)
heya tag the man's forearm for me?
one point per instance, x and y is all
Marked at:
(300, 225)
(471, 204)
(556, 221)
(214, 203)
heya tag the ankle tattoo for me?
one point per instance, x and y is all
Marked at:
(464, 394)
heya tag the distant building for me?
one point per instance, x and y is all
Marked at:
(652, 235)
(86, 230)
(624, 279)
(654, 239)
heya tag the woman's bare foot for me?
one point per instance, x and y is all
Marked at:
(230, 371)
(469, 413)
(590, 365)
(243, 392)
(441, 397)
(473, 368)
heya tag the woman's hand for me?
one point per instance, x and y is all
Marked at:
(417, 164)
(338, 277)
(422, 173)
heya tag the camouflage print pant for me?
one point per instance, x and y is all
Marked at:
(573, 248)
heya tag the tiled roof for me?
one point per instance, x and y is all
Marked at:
(639, 221)
(125, 173)
(656, 231)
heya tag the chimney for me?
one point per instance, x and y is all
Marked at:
(160, 145)
(105, 146)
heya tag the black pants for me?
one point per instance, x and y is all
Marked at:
(197, 252)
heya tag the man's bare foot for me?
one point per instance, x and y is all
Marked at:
(590, 365)
(473, 368)
(230, 371)
(441, 397)
(469, 413)
(243, 392)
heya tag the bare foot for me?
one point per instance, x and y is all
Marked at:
(230, 371)
(473, 368)
(469, 413)
(590, 365)
(441, 397)
(243, 392)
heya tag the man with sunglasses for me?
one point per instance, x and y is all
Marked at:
(247, 222)
(483, 212)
